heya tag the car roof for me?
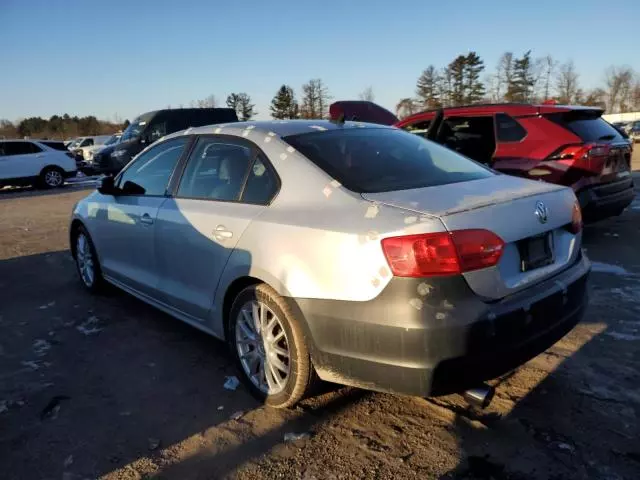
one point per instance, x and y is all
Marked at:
(514, 109)
(281, 128)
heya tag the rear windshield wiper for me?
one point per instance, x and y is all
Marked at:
(607, 137)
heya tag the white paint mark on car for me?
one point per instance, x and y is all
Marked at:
(283, 156)
(372, 211)
(410, 220)
(291, 149)
(424, 289)
(416, 303)
(327, 191)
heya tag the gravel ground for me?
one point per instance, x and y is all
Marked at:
(109, 387)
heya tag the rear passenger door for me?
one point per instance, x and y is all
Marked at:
(513, 155)
(226, 183)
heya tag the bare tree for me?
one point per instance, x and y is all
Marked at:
(503, 76)
(619, 85)
(567, 88)
(548, 66)
(405, 107)
(367, 94)
(315, 99)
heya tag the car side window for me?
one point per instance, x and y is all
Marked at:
(156, 131)
(262, 183)
(216, 170)
(20, 148)
(150, 172)
(419, 128)
(508, 129)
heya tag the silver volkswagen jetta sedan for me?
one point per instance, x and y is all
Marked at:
(349, 252)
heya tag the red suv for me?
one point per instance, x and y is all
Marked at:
(568, 145)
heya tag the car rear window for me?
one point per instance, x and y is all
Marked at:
(384, 159)
(588, 125)
(55, 145)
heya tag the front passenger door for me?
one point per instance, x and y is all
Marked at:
(125, 222)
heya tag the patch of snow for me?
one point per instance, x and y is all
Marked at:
(90, 326)
(41, 347)
(623, 336)
(231, 383)
(601, 267)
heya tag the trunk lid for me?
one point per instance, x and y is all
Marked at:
(506, 206)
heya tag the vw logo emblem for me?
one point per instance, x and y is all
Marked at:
(542, 212)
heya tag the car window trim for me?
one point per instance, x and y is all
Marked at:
(186, 150)
(234, 139)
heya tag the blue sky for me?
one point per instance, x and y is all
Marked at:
(127, 57)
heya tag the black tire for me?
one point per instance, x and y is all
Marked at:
(51, 177)
(98, 283)
(301, 378)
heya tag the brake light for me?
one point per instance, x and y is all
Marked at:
(443, 253)
(576, 219)
(569, 153)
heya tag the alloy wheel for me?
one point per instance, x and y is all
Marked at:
(53, 178)
(263, 347)
(84, 259)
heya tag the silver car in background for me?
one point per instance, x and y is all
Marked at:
(348, 252)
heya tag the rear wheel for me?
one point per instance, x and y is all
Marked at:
(51, 177)
(87, 262)
(268, 344)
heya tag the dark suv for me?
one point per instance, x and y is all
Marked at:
(151, 126)
(568, 145)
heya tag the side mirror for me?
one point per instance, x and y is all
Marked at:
(106, 186)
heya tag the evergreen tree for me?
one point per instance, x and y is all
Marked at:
(428, 89)
(241, 103)
(456, 70)
(474, 88)
(520, 88)
(284, 104)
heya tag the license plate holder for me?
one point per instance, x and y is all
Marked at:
(536, 252)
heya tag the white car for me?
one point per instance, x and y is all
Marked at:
(89, 152)
(35, 162)
(85, 145)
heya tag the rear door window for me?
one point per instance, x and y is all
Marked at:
(384, 159)
(216, 170)
(587, 125)
(508, 129)
(20, 148)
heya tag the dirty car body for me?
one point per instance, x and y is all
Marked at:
(410, 268)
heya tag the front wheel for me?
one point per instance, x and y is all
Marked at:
(51, 177)
(268, 344)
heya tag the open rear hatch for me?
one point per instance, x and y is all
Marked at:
(361, 111)
(534, 219)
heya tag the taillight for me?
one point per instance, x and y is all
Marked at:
(570, 153)
(443, 253)
(576, 219)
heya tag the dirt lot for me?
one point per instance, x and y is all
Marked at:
(109, 387)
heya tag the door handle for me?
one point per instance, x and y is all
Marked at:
(221, 233)
(146, 219)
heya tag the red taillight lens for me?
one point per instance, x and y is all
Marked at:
(571, 153)
(444, 253)
(477, 248)
(576, 219)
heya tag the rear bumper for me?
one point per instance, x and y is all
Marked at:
(428, 337)
(605, 200)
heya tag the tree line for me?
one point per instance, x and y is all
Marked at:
(59, 127)
(519, 79)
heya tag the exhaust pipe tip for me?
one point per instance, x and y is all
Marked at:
(480, 396)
